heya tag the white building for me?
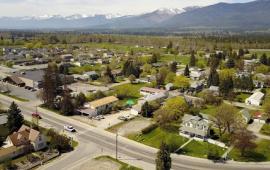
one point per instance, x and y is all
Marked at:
(255, 99)
(145, 91)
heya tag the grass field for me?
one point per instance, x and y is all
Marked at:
(265, 129)
(14, 97)
(157, 136)
(260, 154)
(132, 90)
(124, 166)
(201, 149)
(242, 97)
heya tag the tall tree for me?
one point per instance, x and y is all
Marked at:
(15, 118)
(186, 72)
(213, 78)
(108, 76)
(67, 107)
(146, 110)
(263, 59)
(173, 67)
(51, 82)
(163, 161)
(130, 67)
(244, 140)
(192, 61)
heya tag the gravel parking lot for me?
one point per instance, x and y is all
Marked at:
(110, 119)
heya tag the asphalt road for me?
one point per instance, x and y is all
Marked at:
(88, 135)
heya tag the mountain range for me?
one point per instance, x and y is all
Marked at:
(248, 16)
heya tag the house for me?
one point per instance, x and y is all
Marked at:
(169, 86)
(195, 126)
(91, 75)
(67, 57)
(194, 101)
(214, 90)
(196, 86)
(145, 91)
(196, 73)
(246, 115)
(255, 99)
(27, 137)
(103, 105)
(14, 80)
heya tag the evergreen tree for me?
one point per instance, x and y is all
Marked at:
(192, 61)
(51, 82)
(163, 161)
(213, 79)
(131, 68)
(108, 76)
(186, 72)
(170, 45)
(226, 86)
(230, 63)
(67, 107)
(15, 118)
(146, 110)
(263, 59)
(173, 67)
(154, 58)
(80, 100)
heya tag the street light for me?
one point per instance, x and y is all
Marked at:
(116, 146)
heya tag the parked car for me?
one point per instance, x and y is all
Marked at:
(36, 115)
(69, 128)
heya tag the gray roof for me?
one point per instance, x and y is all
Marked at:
(195, 125)
(246, 114)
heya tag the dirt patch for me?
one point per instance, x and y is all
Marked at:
(101, 164)
(133, 126)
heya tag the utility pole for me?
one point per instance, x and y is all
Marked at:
(116, 146)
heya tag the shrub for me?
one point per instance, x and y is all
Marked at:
(149, 128)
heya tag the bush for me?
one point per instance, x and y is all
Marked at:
(213, 154)
(149, 128)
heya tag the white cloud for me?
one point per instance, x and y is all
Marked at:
(69, 7)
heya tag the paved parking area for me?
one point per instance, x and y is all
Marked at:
(85, 88)
(19, 91)
(110, 119)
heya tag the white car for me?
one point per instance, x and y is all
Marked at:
(69, 128)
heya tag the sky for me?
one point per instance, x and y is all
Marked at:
(16, 8)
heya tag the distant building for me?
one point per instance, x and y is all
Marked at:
(93, 75)
(145, 91)
(255, 99)
(102, 106)
(67, 57)
(14, 80)
(195, 126)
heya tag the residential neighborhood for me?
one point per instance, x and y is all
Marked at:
(118, 95)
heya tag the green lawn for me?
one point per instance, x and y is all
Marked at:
(130, 90)
(124, 166)
(156, 136)
(265, 129)
(260, 154)
(201, 149)
(267, 96)
(169, 57)
(209, 110)
(242, 97)
(14, 97)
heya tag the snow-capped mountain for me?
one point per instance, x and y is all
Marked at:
(250, 15)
